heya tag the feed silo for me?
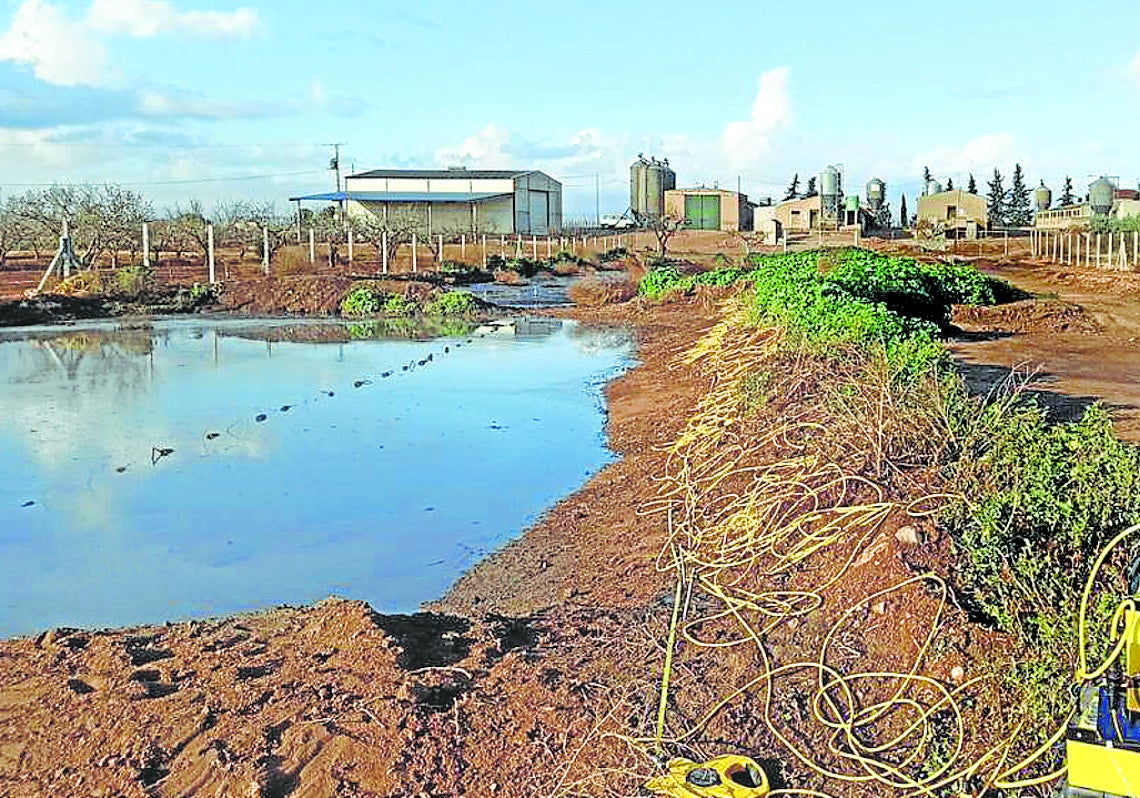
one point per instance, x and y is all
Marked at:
(637, 182)
(876, 193)
(1102, 193)
(656, 181)
(1043, 197)
(831, 190)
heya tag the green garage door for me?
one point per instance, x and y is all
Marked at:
(703, 211)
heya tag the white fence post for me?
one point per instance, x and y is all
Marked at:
(415, 261)
(312, 246)
(441, 249)
(384, 253)
(265, 249)
(350, 246)
(146, 245)
(210, 252)
(463, 247)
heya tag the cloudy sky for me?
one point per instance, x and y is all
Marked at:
(212, 99)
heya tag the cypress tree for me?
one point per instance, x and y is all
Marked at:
(925, 175)
(1067, 197)
(793, 189)
(949, 184)
(1019, 209)
(810, 190)
(903, 218)
(996, 200)
(972, 186)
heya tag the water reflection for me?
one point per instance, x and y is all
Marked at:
(300, 459)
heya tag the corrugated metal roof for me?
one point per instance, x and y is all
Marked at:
(398, 196)
(445, 174)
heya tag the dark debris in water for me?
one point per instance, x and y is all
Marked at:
(361, 383)
(28, 504)
(159, 452)
(286, 408)
(213, 436)
(260, 417)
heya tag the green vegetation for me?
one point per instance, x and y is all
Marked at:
(366, 300)
(1034, 502)
(610, 255)
(1113, 224)
(452, 303)
(134, 279)
(361, 300)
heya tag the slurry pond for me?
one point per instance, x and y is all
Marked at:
(187, 468)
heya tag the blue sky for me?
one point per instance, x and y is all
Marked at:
(158, 93)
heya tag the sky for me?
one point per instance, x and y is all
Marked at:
(214, 100)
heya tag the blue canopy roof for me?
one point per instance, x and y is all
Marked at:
(397, 196)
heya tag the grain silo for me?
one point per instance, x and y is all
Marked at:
(831, 190)
(1102, 193)
(637, 180)
(1043, 197)
(876, 193)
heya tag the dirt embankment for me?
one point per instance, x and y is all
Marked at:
(1078, 342)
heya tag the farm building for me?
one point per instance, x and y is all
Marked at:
(800, 215)
(960, 212)
(1081, 216)
(456, 200)
(710, 209)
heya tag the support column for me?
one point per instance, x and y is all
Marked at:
(146, 245)
(210, 252)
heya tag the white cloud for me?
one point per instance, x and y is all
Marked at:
(978, 156)
(59, 50)
(486, 149)
(145, 18)
(1134, 68)
(751, 143)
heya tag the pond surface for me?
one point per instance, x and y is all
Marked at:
(189, 468)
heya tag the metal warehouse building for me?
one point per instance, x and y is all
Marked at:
(457, 200)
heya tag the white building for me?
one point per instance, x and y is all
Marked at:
(456, 200)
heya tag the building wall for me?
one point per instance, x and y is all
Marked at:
(538, 204)
(801, 215)
(954, 209)
(493, 217)
(735, 210)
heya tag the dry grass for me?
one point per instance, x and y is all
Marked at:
(594, 292)
(566, 268)
(293, 261)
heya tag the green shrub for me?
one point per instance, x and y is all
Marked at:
(452, 303)
(399, 305)
(361, 300)
(134, 279)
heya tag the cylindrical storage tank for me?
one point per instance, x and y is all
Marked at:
(1043, 197)
(933, 187)
(852, 203)
(637, 186)
(876, 193)
(670, 176)
(655, 190)
(1101, 195)
(829, 182)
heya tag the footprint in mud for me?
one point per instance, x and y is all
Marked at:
(260, 418)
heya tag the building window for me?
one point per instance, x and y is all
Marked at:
(951, 212)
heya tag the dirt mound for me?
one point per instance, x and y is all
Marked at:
(308, 294)
(1027, 316)
(331, 700)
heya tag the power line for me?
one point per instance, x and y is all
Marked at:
(172, 182)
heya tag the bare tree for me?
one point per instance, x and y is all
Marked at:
(663, 229)
(750, 239)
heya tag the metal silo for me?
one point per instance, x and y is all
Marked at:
(637, 179)
(1043, 197)
(830, 190)
(670, 176)
(655, 180)
(1102, 192)
(876, 193)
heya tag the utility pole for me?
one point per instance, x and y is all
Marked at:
(334, 165)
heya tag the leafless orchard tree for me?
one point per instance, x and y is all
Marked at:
(663, 229)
